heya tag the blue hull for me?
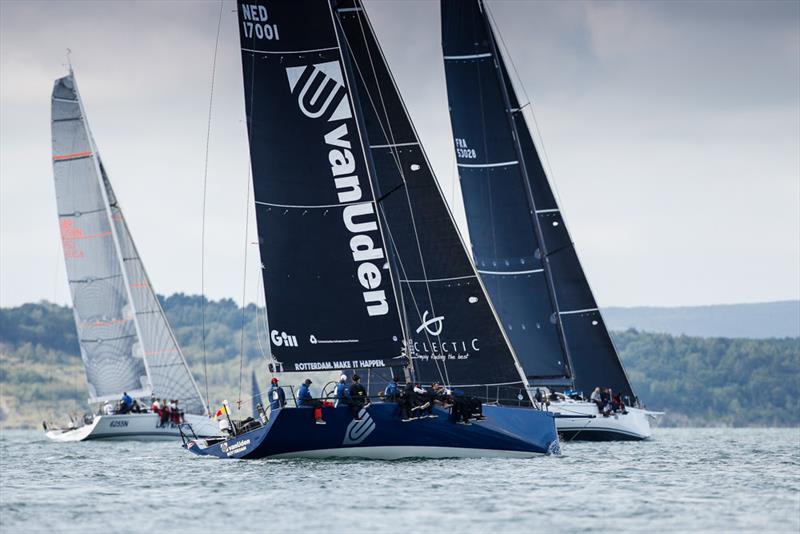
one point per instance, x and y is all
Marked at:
(292, 432)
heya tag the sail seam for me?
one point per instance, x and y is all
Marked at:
(79, 213)
(280, 52)
(570, 312)
(469, 56)
(511, 272)
(298, 206)
(392, 145)
(425, 280)
(488, 165)
(90, 280)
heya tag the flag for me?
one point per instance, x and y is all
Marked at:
(222, 411)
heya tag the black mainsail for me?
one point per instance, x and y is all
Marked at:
(363, 266)
(521, 245)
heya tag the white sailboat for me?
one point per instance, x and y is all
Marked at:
(127, 345)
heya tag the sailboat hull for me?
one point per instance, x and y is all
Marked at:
(380, 434)
(144, 427)
(632, 426)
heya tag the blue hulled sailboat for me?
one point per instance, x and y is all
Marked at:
(363, 266)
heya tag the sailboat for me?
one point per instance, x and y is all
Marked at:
(520, 243)
(126, 343)
(363, 267)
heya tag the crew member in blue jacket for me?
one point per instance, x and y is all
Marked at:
(126, 403)
(342, 391)
(392, 391)
(304, 398)
(276, 396)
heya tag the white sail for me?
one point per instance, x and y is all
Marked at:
(125, 339)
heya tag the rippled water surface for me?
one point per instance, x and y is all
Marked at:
(706, 480)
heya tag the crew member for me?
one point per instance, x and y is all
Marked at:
(392, 392)
(358, 396)
(126, 403)
(224, 421)
(342, 392)
(408, 401)
(304, 398)
(276, 396)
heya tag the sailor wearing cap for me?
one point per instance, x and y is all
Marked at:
(342, 391)
(305, 399)
(276, 396)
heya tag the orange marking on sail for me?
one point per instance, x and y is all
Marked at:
(143, 284)
(82, 236)
(71, 156)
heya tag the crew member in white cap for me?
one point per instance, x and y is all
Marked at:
(342, 391)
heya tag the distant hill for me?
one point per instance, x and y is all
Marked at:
(696, 380)
(755, 321)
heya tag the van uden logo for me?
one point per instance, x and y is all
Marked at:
(359, 429)
(254, 23)
(321, 93)
(282, 339)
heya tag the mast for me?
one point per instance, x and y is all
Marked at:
(534, 217)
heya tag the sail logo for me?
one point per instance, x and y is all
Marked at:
(282, 339)
(359, 429)
(321, 94)
(319, 88)
(254, 23)
(426, 324)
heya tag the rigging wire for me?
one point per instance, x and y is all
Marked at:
(244, 284)
(205, 196)
(386, 128)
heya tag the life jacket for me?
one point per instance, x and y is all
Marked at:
(276, 397)
(303, 395)
(341, 391)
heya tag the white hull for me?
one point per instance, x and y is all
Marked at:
(133, 427)
(634, 425)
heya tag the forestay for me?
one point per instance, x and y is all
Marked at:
(126, 342)
(348, 208)
(520, 242)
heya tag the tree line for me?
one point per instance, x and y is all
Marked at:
(696, 380)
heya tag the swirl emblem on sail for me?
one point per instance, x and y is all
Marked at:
(427, 324)
(320, 89)
(359, 429)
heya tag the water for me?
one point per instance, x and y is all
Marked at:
(683, 479)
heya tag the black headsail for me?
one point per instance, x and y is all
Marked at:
(513, 216)
(442, 318)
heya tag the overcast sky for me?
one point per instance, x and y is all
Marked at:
(672, 130)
